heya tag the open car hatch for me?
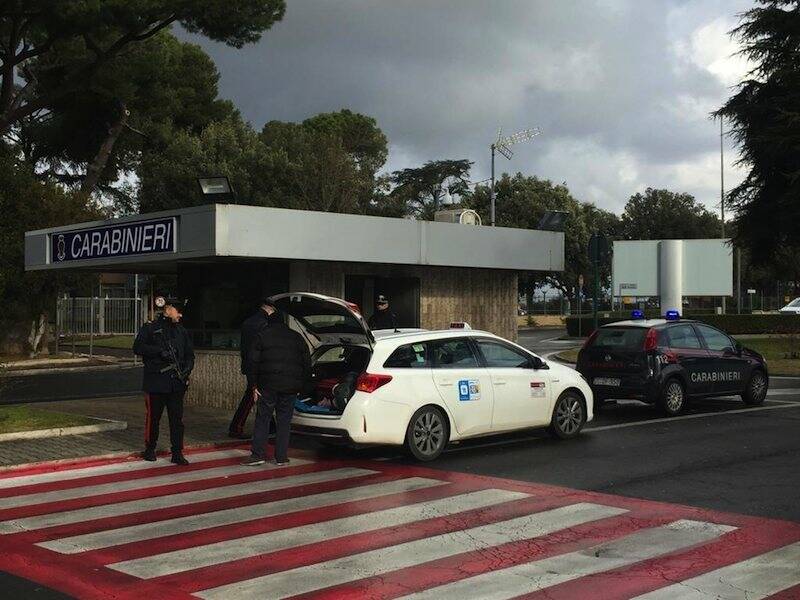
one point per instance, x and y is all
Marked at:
(325, 320)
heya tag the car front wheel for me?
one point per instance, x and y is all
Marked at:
(427, 434)
(569, 415)
(756, 391)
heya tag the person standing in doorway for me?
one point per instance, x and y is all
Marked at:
(383, 317)
(278, 369)
(168, 357)
(250, 329)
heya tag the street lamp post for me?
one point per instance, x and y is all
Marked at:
(503, 146)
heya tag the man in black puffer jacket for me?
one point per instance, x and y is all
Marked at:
(278, 369)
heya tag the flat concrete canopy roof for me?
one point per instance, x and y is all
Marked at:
(157, 242)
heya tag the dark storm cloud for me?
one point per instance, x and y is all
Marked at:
(618, 86)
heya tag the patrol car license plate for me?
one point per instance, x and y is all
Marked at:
(608, 381)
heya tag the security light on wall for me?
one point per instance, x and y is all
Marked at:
(215, 186)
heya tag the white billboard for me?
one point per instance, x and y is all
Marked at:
(690, 267)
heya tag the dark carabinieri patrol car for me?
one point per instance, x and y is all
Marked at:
(667, 361)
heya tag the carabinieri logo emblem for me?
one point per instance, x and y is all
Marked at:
(62, 248)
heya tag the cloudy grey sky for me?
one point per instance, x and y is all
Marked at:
(621, 89)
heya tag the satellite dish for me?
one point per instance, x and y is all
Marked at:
(470, 217)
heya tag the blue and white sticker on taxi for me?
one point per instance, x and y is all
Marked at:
(469, 389)
(537, 389)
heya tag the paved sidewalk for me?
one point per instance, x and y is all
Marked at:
(204, 426)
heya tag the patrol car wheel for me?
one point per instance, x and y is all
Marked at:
(756, 391)
(427, 433)
(569, 415)
(673, 398)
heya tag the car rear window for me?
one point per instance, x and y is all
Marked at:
(620, 338)
(411, 356)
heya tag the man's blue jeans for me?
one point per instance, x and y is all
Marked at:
(282, 405)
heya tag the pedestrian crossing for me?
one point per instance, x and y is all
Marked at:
(369, 529)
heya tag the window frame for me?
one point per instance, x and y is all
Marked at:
(470, 344)
(482, 358)
(428, 354)
(698, 327)
(691, 327)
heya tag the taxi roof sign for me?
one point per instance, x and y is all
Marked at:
(459, 325)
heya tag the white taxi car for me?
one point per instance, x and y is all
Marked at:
(422, 389)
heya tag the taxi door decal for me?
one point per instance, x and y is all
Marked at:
(469, 389)
(537, 389)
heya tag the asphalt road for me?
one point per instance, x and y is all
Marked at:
(100, 382)
(715, 456)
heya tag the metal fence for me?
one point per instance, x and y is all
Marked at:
(81, 321)
(99, 316)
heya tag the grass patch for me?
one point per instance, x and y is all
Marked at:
(24, 418)
(776, 349)
(570, 355)
(122, 342)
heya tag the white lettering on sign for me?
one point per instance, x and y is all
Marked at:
(716, 376)
(115, 240)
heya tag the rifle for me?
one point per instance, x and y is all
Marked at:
(175, 365)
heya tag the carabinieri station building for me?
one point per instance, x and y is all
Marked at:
(226, 257)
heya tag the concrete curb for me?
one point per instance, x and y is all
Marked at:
(45, 371)
(122, 454)
(106, 425)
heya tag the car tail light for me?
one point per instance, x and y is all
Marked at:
(369, 382)
(590, 340)
(651, 340)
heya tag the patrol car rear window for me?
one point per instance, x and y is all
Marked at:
(410, 356)
(620, 338)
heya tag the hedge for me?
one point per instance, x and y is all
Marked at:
(732, 324)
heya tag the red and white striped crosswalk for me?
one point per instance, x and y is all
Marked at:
(346, 529)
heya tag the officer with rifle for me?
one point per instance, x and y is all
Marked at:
(168, 357)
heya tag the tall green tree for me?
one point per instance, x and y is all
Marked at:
(163, 86)
(521, 201)
(765, 117)
(662, 214)
(26, 203)
(326, 163)
(422, 189)
(40, 39)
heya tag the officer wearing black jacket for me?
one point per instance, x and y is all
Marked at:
(383, 317)
(278, 369)
(168, 357)
(250, 328)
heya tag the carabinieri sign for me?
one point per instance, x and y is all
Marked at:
(125, 239)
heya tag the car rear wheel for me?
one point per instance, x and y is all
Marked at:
(427, 434)
(756, 391)
(673, 398)
(569, 415)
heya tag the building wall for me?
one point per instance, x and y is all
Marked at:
(216, 379)
(486, 299)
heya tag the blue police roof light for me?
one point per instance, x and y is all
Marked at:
(637, 314)
(672, 315)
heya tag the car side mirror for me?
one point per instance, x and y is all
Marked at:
(537, 363)
(738, 348)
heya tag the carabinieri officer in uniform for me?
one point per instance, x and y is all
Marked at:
(166, 350)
